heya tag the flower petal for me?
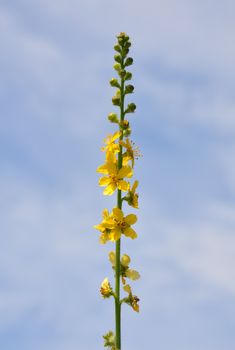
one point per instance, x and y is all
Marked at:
(131, 219)
(125, 160)
(107, 224)
(127, 288)
(104, 237)
(109, 189)
(115, 136)
(132, 274)
(129, 232)
(135, 185)
(123, 185)
(112, 258)
(105, 213)
(125, 171)
(104, 181)
(117, 213)
(112, 168)
(111, 158)
(99, 227)
(115, 234)
(102, 169)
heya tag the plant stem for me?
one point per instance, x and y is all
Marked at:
(118, 243)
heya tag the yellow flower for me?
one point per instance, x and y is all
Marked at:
(114, 224)
(114, 178)
(132, 300)
(132, 197)
(110, 145)
(106, 289)
(132, 151)
(104, 227)
(121, 224)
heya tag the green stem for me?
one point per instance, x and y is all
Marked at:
(118, 243)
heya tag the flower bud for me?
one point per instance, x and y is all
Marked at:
(117, 58)
(128, 76)
(116, 100)
(114, 82)
(125, 52)
(117, 67)
(122, 73)
(113, 118)
(117, 48)
(106, 289)
(127, 132)
(129, 61)
(129, 89)
(122, 38)
(124, 124)
(130, 108)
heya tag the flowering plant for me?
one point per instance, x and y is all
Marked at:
(117, 170)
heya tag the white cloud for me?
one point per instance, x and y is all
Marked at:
(199, 251)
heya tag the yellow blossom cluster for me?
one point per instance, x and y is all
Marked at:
(116, 177)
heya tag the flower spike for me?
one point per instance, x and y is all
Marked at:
(116, 172)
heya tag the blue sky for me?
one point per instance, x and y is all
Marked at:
(56, 61)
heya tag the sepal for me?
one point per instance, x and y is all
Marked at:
(109, 340)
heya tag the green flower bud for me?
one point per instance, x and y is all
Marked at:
(117, 67)
(129, 61)
(125, 52)
(117, 48)
(124, 124)
(129, 89)
(118, 58)
(122, 38)
(130, 108)
(116, 100)
(114, 82)
(127, 132)
(122, 73)
(128, 76)
(113, 118)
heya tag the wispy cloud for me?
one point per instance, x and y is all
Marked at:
(55, 62)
